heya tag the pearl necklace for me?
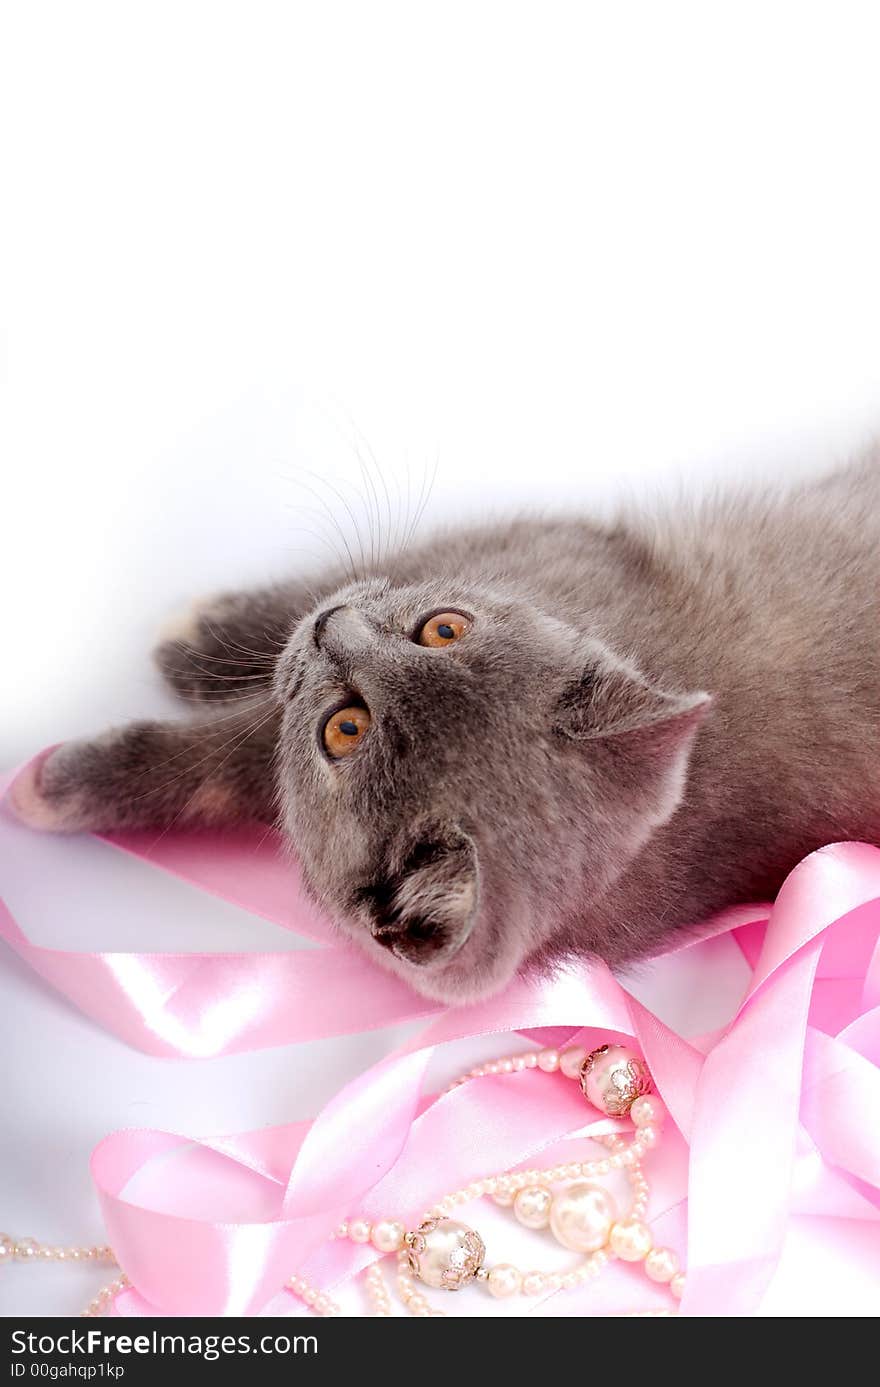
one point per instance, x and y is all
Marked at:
(444, 1254)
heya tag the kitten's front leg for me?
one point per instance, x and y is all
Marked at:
(156, 774)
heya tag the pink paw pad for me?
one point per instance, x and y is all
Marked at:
(27, 801)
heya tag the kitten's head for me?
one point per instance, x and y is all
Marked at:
(462, 774)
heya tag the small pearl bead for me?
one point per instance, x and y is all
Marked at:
(26, 1249)
(553, 1281)
(519, 1064)
(648, 1137)
(648, 1110)
(548, 1060)
(531, 1060)
(503, 1194)
(341, 1231)
(661, 1264)
(359, 1230)
(387, 1235)
(676, 1285)
(570, 1061)
(533, 1283)
(532, 1206)
(630, 1241)
(504, 1280)
(506, 1066)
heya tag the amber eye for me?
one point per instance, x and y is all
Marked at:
(443, 629)
(345, 730)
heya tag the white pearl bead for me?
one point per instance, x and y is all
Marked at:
(359, 1230)
(581, 1217)
(676, 1285)
(570, 1061)
(532, 1206)
(533, 1283)
(648, 1111)
(387, 1235)
(631, 1241)
(503, 1195)
(504, 1280)
(548, 1060)
(661, 1264)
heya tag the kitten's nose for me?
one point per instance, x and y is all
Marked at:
(343, 631)
(417, 940)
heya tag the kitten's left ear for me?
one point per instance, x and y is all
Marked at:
(639, 737)
(609, 698)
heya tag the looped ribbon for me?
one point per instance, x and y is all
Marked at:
(777, 1113)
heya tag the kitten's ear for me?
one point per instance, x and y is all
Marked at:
(425, 908)
(639, 737)
(609, 701)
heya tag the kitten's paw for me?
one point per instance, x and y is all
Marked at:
(182, 626)
(209, 652)
(45, 797)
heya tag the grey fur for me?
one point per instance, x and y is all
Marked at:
(646, 722)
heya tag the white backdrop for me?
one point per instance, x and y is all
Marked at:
(572, 250)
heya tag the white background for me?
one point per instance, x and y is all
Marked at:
(572, 250)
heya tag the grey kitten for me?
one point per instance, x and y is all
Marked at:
(536, 739)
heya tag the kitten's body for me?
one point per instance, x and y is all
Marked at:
(769, 604)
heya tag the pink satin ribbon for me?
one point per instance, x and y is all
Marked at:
(778, 1113)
